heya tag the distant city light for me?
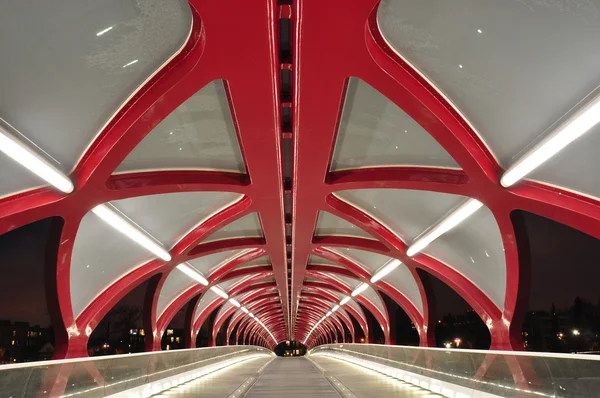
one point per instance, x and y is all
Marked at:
(576, 332)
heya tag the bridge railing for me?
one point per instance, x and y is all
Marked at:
(476, 373)
(137, 375)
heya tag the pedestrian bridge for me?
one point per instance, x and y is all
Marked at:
(335, 370)
(295, 170)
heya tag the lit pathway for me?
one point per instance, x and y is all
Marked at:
(364, 383)
(220, 384)
(292, 378)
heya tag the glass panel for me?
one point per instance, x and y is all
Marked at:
(226, 285)
(176, 284)
(100, 256)
(209, 264)
(375, 132)
(474, 248)
(406, 212)
(328, 224)
(575, 167)
(402, 279)
(367, 260)
(103, 376)
(73, 64)
(245, 227)
(371, 295)
(500, 373)
(501, 62)
(351, 282)
(207, 298)
(168, 217)
(313, 259)
(198, 135)
(263, 260)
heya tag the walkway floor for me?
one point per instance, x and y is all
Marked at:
(365, 383)
(220, 384)
(297, 378)
(292, 378)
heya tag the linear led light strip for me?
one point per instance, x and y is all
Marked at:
(121, 224)
(251, 315)
(344, 301)
(574, 127)
(386, 269)
(452, 220)
(192, 273)
(27, 158)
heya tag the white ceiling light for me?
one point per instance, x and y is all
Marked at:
(14, 149)
(328, 314)
(345, 300)
(192, 273)
(361, 288)
(389, 267)
(219, 291)
(334, 309)
(118, 222)
(245, 310)
(103, 31)
(235, 302)
(573, 128)
(456, 217)
(251, 315)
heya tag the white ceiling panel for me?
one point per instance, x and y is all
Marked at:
(501, 63)
(374, 132)
(369, 261)
(474, 248)
(168, 217)
(206, 265)
(331, 225)
(69, 66)
(198, 135)
(175, 285)
(406, 212)
(100, 257)
(244, 227)
(405, 283)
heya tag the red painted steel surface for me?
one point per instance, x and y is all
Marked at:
(320, 71)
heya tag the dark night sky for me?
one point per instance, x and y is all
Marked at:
(565, 264)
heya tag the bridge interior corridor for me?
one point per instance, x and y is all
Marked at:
(295, 377)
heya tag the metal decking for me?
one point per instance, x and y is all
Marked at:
(295, 378)
(292, 378)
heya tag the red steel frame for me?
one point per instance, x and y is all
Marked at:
(360, 51)
(321, 71)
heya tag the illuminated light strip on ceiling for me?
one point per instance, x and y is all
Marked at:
(219, 292)
(21, 154)
(359, 289)
(362, 287)
(251, 315)
(456, 217)
(574, 127)
(124, 226)
(192, 273)
(389, 267)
